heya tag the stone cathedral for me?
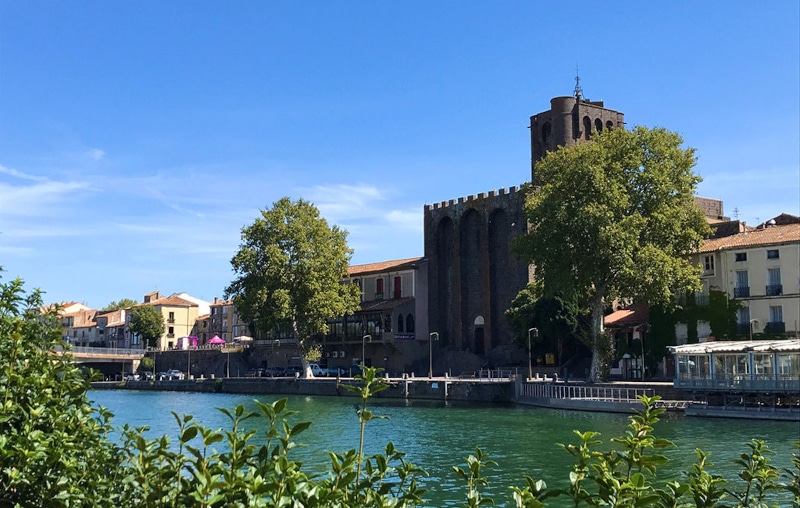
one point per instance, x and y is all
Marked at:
(472, 274)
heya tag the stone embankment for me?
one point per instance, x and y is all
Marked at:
(443, 388)
(399, 388)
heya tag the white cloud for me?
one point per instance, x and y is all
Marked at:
(38, 199)
(95, 154)
(20, 174)
(406, 219)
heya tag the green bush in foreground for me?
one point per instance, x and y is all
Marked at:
(55, 450)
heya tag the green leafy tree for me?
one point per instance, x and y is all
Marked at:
(557, 319)
(615, 217)
(147, 322)
(125, 303)
(54, 447)
(289, 270)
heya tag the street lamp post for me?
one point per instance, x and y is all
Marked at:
(364, 340)
(752, 321)
(433, 336)
(535, 333)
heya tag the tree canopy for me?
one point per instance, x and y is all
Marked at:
(147, 322)
(125, 303)
(615, 217)
(289, 270)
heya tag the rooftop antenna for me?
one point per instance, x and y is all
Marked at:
(736, 213)
(578, 91)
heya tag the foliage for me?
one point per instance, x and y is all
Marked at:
(313, 353)
(147, 322)
(147, 364)
(289, 269)
(53, 445)
(556, 317)
(626, 474)
(125, 303)
(615, 217)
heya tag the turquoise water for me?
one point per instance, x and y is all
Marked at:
(437, 436)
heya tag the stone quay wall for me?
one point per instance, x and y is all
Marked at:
(410, 388)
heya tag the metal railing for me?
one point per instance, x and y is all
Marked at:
(741, 292)
(750, 383)
(105, 351)
(774, 289)
(584, 392)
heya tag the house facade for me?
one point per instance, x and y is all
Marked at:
(760, 268)
(78, 325)
(179, 319)
(391, 328)
(224, 322)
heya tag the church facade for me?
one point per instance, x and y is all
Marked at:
(473, 275)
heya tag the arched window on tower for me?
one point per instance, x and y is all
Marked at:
(598, 125)
(546, 132)
(400, 323)
(410, 323)
(609, 125)
(587, 127)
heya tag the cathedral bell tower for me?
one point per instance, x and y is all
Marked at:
(569, 120)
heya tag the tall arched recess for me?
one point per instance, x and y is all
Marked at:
(501, 289)
(442, 296)
(471, 258)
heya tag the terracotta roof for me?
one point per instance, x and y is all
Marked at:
(398, 264)
(637, 314)
(772, 235)
(203, 317)
(170, 301)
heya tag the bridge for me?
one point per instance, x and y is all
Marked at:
(108, 359)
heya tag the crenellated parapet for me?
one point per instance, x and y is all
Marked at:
(493, 195)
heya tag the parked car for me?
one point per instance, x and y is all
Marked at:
(148, 376)
(132, 377)
(336, 371)
(317, 371)
(293, 370)
(273, 372)
(174, 374)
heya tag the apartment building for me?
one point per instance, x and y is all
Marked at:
(224, 322)
(111, 327)
(78, 325)
(761, 269)
(179, 315)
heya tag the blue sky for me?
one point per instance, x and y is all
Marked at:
(138, 137)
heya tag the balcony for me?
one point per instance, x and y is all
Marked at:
(775, 290)
(170, 320)
(741, 292)
(775, 327)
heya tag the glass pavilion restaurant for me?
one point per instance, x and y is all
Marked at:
(751, 379)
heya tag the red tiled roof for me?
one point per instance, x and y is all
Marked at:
(634, 315)
(382, 266)
(772, 235)
(170, 301)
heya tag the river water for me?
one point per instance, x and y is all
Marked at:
(436, 435)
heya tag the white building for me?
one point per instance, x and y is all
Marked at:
(761, 269)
